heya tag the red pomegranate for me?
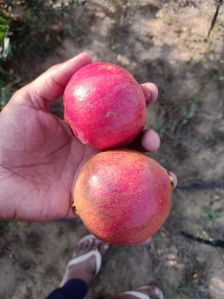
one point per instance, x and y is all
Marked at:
(123, 197)
(104, 105)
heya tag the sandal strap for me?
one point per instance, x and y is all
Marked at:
(139, 295)
(80, 259)
(85, 256)
(85, 238)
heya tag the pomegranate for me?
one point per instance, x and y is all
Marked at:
(123, 197)
(104, 105)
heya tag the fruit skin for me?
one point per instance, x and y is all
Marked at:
(123, 197)
(104, 105)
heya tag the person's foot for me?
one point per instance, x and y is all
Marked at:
(83, 264)
(151, 291)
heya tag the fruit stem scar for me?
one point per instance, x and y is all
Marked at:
(171, 179)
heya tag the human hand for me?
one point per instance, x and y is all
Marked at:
(39, 155)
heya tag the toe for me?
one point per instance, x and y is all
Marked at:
(90, 244)
(103, 247)
(152, 291)
(83, 246)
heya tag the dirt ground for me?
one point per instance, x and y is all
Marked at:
(163, 42)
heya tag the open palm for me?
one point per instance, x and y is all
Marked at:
(39, 155)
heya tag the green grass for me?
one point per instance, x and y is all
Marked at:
(9, 82)
(159, 125)
(218, 135)
(33, 34)
(5, 46)
(9, 226)
(117, 47)
(189, 112)
(5, 94)
(209, 214)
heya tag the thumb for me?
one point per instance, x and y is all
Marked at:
(51, 84)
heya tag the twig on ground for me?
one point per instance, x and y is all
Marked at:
(220, 2)
(211, 242)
